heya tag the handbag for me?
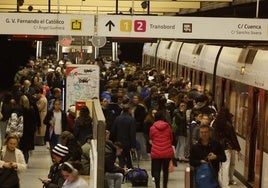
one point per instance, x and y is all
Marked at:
(170, 166)
(8, 177)
(204, 177)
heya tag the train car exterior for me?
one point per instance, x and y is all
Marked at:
(238, 79)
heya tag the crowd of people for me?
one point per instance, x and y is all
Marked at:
(32, 114)
(151, 112)
(160, 117)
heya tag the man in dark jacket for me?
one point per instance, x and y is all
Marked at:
(113, 173)
(207, 150)
(124, 131)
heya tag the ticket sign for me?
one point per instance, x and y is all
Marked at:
(46, 24)
(183, 27)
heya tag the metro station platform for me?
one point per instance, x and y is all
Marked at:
(40, 161)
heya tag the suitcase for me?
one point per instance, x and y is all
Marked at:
(137, 176)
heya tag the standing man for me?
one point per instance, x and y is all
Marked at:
(123, 130)
(207, 150)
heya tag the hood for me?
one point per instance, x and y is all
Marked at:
(161, 125)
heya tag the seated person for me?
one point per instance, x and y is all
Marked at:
(70, 171)
(75, 151)
(85, 158)
(55, 178)
(113, 173)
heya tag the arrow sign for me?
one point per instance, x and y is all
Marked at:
(110, 24)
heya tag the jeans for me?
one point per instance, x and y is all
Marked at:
(232, 166)
(125, 159)
(114, 180)
(180, 148)
(141, 139)
(224, 170)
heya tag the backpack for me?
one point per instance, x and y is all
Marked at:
(15, 125)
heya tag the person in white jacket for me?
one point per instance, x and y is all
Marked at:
(12, 158)
(70, 171)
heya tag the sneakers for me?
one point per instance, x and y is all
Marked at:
(232, 182)
(152, 179)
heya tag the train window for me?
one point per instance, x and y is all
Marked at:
(247, 55)
(198, 48)
(169, 45)
(251, 55)
(207, 82)
(239, 106)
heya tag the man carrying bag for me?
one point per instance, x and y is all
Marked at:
(205, 156)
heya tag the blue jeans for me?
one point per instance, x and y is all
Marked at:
(114, 180)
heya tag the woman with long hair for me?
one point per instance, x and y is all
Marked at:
(29, 126)
(83, 125)
(12, 162)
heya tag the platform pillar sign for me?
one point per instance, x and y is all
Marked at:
(82, 83)
(98, 41)
(47, 24)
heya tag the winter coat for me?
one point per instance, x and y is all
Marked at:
(110, 157)
(200, 152)
(162, 138)
(181, 123)
(124, 130)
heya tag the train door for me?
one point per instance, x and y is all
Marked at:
(255, 130)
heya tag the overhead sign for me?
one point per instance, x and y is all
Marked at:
(182, 27)
(134, 26)
(48, 24)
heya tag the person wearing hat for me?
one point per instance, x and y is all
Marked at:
(55, 178)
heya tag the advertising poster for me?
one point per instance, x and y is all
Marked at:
(82, 83)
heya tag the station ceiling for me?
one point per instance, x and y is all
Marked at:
(156, 7)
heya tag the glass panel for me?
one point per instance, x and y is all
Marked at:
(239, 106)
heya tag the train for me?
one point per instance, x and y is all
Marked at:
(238, 78)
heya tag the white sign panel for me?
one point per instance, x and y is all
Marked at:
(82, 83)
(47, 24)
(183, 27)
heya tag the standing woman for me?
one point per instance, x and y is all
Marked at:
(55, 121)
(12, 160)
(224, 133)
(161, 152)
(41, 104)
(83, 125)
(29, 124)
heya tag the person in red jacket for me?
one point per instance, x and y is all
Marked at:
(161, 152)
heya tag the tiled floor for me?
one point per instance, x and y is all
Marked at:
(40, 162)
